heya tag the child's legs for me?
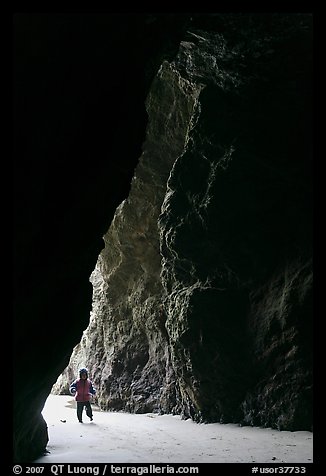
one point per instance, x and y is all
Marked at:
(89, 412)
(80, 406)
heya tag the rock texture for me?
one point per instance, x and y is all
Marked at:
(202, 295)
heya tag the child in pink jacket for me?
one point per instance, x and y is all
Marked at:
(83, 389)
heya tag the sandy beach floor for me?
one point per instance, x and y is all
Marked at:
(151, 438)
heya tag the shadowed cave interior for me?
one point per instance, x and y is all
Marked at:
(163, 186)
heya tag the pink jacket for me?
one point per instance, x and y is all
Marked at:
(82, 389)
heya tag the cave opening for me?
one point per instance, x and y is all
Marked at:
(80, 82)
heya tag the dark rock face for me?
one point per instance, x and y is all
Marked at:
(282, 341)
(80, 83)
(233, 242)
(202, 296)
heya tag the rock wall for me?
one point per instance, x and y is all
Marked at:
(202, 295)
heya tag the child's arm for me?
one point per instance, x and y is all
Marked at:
(73, 388)
(92, 390)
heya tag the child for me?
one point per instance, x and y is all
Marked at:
(83, 389)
